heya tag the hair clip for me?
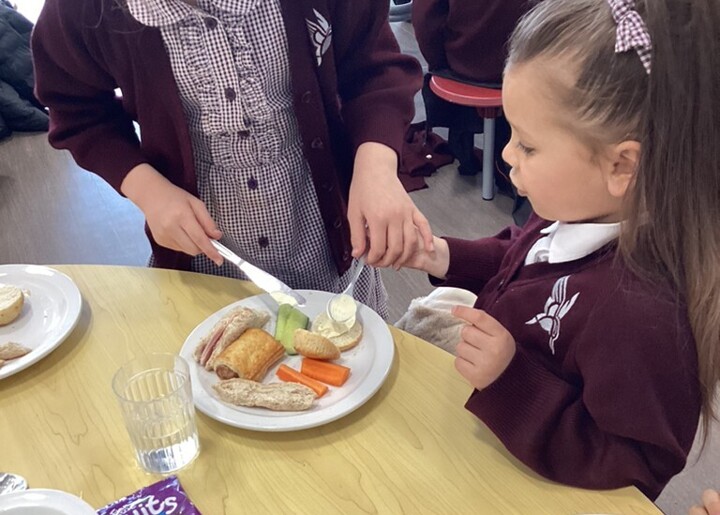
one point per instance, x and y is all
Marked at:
(631, 32)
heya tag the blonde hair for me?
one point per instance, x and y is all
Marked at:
(673, 207)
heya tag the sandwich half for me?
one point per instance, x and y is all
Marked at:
(226, 331)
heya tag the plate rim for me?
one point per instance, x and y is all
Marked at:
(52, 494)
(205, 403)
(31, 358)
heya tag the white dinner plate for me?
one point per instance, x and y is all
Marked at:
(369, 362)
(39, 501)
(51, 311)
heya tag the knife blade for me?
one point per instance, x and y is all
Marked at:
(263, 280)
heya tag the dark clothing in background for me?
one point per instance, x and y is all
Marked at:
(467, 36)
(19, 110)
(466, 40)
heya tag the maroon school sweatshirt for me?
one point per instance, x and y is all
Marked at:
(603, 389)
(468, 37)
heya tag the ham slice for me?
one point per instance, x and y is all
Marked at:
(225, 331)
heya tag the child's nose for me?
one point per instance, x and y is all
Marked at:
(508, 155)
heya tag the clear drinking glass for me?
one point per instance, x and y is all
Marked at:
(156, 401)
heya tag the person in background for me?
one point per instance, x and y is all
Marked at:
(466, 40)
(592, 346)
(272, 124)
(467, 37)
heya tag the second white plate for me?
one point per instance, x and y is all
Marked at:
(369, 361)
(51, 311)
(38, 501)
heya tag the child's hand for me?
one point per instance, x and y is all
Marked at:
(711, 504)
(379, 209)
(435, 263)
(485, 349)
(177, 219)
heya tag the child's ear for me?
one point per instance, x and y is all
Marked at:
(626, 156)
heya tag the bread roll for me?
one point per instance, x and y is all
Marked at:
(275, 396)
(313, 345)
(344, 341)
(11, 303)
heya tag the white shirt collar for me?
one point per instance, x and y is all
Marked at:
(565, 242)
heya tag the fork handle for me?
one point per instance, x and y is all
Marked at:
(357, 270)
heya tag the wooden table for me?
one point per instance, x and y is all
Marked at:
(411, 449)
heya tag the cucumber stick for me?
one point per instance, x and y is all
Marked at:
(288, 320)
(282, 317)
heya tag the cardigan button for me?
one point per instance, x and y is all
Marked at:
(317, 144)
(327, 186)
(346, 256)
(337, 223)
(306, 97)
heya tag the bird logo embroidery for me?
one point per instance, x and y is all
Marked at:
(320, 35)
(556, 307)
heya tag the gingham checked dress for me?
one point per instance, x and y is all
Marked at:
(229, 59)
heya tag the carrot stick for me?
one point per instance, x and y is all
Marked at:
(330, 373)
(290, 375)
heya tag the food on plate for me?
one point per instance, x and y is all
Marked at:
(290, 375)
(343, 309)
(226, 331)
(274, 396)
(11, 303)
(330, 373)
(314, 345)
(12, 350)
(344, 340)
(288, 320)
(249, 356)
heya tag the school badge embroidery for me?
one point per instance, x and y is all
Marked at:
(320, 35)
(556, 307)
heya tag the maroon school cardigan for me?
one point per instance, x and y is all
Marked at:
(603, 390)
(467, 36)
(363, 91)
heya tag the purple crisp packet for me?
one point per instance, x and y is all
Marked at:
(165, 497)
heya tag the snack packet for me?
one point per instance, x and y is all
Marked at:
(165, 497)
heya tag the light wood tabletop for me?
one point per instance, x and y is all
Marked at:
(412, 448)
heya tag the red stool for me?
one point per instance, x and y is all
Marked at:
(489, 105)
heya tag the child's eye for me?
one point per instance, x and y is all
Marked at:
(524, 149)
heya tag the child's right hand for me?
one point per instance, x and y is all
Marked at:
(711, 504)
(435, 263)
(177, 219)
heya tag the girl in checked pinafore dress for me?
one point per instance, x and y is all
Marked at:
(251, 171)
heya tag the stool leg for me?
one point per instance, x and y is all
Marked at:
(488, 179)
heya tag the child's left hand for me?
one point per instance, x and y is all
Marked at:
(485, 349)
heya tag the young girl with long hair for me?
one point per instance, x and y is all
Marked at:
(594, 345)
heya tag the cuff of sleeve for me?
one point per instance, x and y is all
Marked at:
(522, 392)
(385, 125)
(122, 161)
(471, 260)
